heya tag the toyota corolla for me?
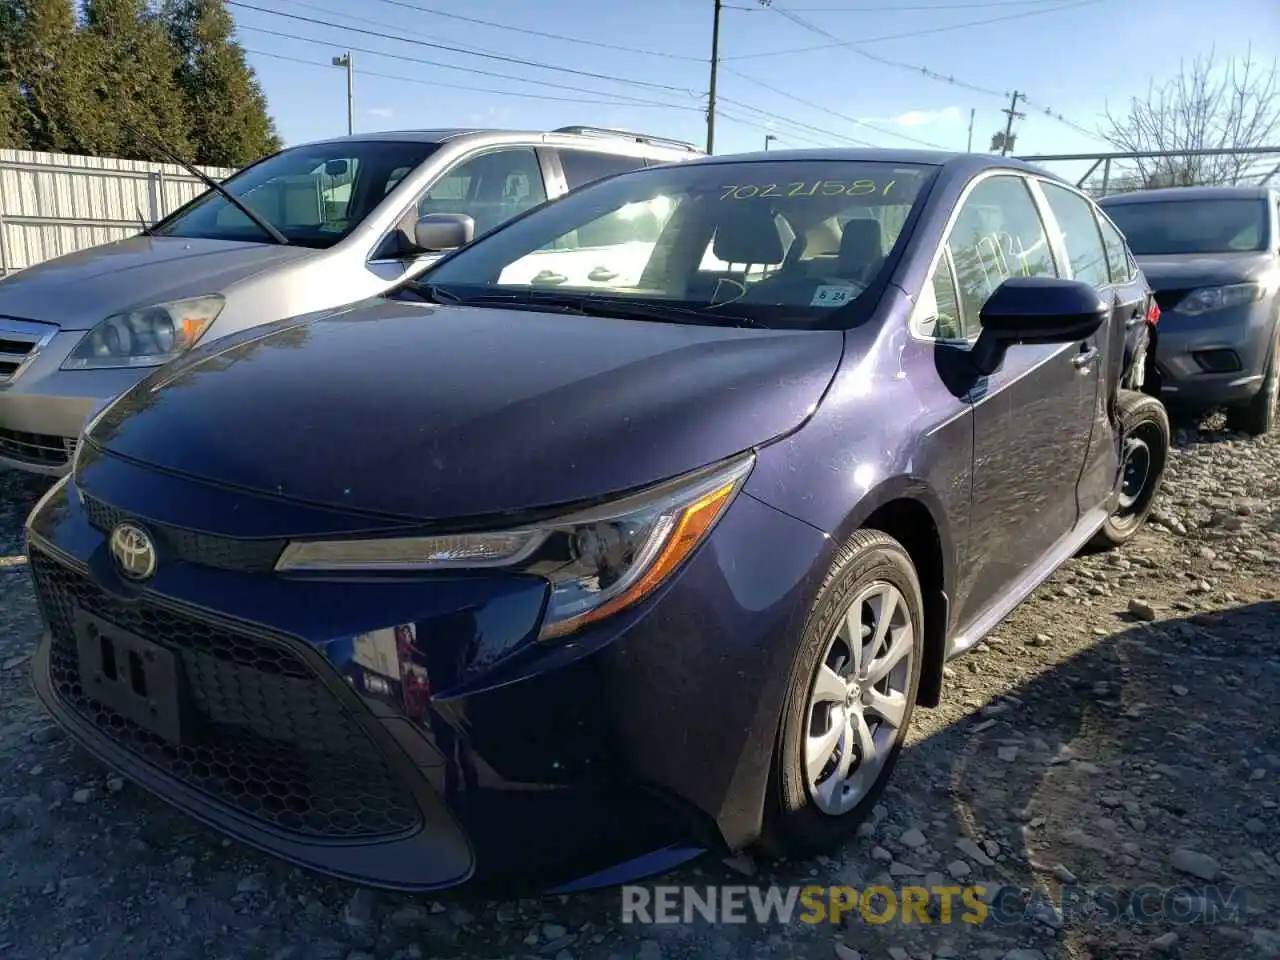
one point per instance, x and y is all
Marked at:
(637, 528)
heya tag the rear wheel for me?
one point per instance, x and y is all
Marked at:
(1144, 425)
(1258, 417)
(853, 690)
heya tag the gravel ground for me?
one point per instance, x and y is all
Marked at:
(1118, 731)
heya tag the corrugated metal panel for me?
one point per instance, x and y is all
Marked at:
(53, 203)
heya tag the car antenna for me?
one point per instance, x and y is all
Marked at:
(203, 177)
(146, 231)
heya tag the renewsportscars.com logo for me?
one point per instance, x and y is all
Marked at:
(972, 904)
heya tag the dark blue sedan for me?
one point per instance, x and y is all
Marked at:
(637, 527)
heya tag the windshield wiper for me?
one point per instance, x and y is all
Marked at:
(427, 291)
(204, 178)
(619, 307)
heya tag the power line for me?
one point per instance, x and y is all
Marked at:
(455, 49)
(836, 114)
(895, 8)
(925, 71)
(778, 118)
(469, 87)
(549, 36)
(624, 99)
(901, 36)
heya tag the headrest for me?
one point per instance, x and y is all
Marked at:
(862, 243)
(746, 233)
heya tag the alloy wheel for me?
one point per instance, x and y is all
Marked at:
(858, 699)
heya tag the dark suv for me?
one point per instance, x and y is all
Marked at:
(1212, 255)
(637, 527)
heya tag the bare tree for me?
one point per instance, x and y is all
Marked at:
(1235, 107)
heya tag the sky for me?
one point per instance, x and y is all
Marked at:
(904, 73)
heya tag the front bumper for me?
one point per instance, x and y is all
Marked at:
(408, 733)
(1216, 357)
(43, 407)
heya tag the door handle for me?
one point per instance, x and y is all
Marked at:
(1084, 358)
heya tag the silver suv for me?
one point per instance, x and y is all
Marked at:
(333, 223)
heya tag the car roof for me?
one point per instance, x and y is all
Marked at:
(955, 161)
(447, 134)
(1245, 192)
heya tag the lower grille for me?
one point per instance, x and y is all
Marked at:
(38, 448)
(269, 739)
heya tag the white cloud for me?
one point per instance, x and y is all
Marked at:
(493, 117)
(923, 118)
(384, 112)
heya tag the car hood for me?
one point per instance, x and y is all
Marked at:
(1189, 270)
(447, 412)
(79, 290)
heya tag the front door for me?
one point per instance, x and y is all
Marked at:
(1032, 417)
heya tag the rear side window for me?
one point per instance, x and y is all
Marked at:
(1119, 264)
(584, 166)
(1080, 235)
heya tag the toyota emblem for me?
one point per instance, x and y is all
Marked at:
(134, 551)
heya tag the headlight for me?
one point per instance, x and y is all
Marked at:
(598, 561)
(1219, 298)
(147, 337)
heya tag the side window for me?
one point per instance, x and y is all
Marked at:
(1080, 234)
(1119, 263)
(998, 234)
(583, 166)
(491, 188)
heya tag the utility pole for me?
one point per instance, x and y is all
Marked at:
(1006, 142)
(345, 61)
(973, 112)
(715, 63)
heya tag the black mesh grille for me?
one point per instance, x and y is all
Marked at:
(268, 738)
(207, 550)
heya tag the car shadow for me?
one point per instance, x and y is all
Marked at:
(1104, 805)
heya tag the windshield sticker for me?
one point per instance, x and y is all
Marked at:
(806, 188)
(832, 295)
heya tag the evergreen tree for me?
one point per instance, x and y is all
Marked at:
(134, 66)
(230, 126)
(13, 134)
(52, 79)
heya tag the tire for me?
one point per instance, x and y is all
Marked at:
(1258, 417)
(1145, 433)
(799, 822)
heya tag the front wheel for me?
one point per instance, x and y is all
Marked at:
(1144, 427)
(852, 693)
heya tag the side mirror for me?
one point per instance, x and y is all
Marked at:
(437, 232)
(1036, 310)
(335, 168)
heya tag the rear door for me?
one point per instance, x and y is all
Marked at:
(1076, 231)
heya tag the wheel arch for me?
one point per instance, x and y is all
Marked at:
(906, 509)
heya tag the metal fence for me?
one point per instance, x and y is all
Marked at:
(1102, 174)
(55, 203)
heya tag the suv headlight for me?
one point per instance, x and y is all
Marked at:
(146, 337)
(598, 561)
(1206, 299)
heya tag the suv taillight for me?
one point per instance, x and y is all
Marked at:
(1153, 314)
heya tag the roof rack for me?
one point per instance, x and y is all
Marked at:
(628, 134)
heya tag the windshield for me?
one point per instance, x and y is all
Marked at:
(315, 195)
(1191, 226)
(769, 243)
